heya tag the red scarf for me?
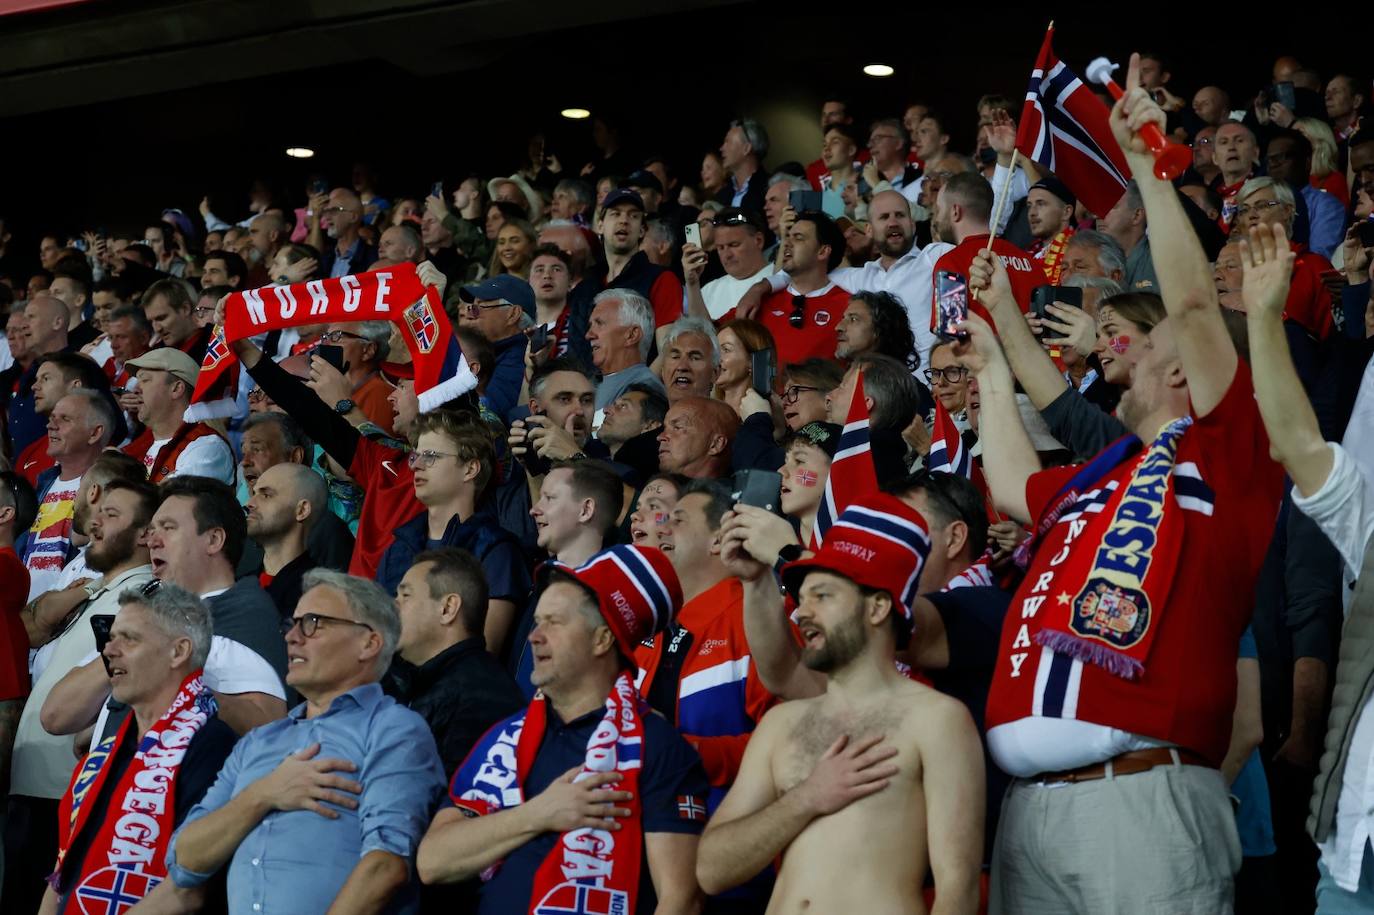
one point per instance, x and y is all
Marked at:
(393, 294)
(1053, 259)
(589, 870)
(1107, 592)
(127, 857)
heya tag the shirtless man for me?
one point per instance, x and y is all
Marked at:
(874, 778)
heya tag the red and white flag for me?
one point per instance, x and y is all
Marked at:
(852, 474)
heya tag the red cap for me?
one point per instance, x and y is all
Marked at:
(879, 542)
(636, 589)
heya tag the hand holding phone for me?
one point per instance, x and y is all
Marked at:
(1043, 296)
(951, 299)
(762, 370)
(333, 355)
(692, 231)
(760, 488)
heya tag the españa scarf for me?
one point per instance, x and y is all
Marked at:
(1111, 587)
(591, 870)
(393, 294)
(126, 858)
(1052, 260)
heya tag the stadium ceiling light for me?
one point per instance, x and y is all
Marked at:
(575, 114)
(878, 70)
(300, 152)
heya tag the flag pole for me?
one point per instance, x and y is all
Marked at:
(1002, 201)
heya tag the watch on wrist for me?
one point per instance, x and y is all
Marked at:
(790, 553)
(344, 407)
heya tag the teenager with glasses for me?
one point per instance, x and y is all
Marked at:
(801, 391)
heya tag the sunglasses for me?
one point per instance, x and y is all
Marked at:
(798, 315)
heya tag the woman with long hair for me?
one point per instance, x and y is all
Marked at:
(739, 340)
(712, 173)
(515, 244)
(1325, 174)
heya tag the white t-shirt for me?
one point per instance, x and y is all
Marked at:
(723, 293)
(207, 456)
(50, 536)
(39, 658)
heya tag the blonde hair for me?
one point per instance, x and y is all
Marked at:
(1323, 142)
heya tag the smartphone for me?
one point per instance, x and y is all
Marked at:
(319, 186)
(1286, 96)
(539, 338)
(333, 355)
(1042, 296)
(951, 300)
(804, 200)
(763, 369)
(100, 625)
(437, 189)
(1365, 233)
(760, 488)
(693, 233)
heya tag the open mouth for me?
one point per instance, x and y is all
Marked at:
(682, 380)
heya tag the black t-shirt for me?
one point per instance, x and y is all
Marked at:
(199, 768)
(973, 628)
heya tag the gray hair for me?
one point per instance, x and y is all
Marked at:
(368, 600)
(755, 134)
(292, 435)
(578, 189)
(99, 411)
(1108, 285)
(712, 206)
(135, 314)
(691, 324)
(635, 311)
(1110, 255)
(1282, 193)
(378, 332)
(179, 614)
(661, 229)
(792, 181)
(1132, 196)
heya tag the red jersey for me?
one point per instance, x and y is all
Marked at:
(1309, 301)
(387, 479)
(1022, 268)
(1187, 693)
(33, 460)
(719, 696)
(820, 316)
(666, 297)
(14, 638)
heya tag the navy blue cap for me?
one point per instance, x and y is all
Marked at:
(1052, 185)
(622, 195)
(502, 286)
(644, 178)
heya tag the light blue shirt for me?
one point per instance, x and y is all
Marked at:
(296, 861)
(1325, 220)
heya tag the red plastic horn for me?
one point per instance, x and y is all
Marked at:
(1171, 159)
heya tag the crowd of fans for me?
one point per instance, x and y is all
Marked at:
(605, 635)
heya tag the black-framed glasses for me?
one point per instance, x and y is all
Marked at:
(798, 316)
(257, 395)
(792, 393)
(426, 459)
(952, 375)
(338, 336)
(473, 309)
(310, 624)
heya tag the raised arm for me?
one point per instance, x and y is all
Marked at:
(1294, 437)
(1009, 458)
(1028, 359)
(1185, 278)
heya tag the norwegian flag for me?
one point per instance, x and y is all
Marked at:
(421, 321)
(220, 401)
(852, 475)
(948, 455)
(690, 807)
(583, 899)
(114, 890)
(1064, 129)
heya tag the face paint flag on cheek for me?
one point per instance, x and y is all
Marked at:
(1119, 345)
(806, 477)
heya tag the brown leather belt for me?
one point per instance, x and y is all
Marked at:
(1132, 763)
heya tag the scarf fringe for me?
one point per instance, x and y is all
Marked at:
(1109, 659)
(446, 390)
(199, 412)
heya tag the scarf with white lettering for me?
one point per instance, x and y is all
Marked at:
(393, 294)
(1105, 592)
(126, 858)
(589, 870)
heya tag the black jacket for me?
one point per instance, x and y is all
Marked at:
(460, 692)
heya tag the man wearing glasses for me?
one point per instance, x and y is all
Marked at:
(338, 222)
(365, 345)
(888, 143)
(498, 308)
(332, 800)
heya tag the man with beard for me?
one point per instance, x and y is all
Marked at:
(901, 269)
(287, 501)
(802, 315)
(630, 430)
(43, 756)
(962, 213)
(562, 401)
(876, 777)
(334, 222)
(1049, 212)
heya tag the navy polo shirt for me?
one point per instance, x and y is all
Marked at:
(671, 769)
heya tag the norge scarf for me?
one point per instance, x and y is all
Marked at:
(127, 857)
(1117, 581)
(591, 870)
(393, 294)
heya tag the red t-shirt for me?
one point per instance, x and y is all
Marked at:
(1187, 694)
(816, 336)
(666, 296)
(1309, 301)
(1023, 270)
(33, 460)
(385, 476)
(14, 638)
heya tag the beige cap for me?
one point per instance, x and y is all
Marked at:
(168, 359)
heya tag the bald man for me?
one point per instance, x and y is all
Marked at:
(46, 318)
(287, 501)
(1212, 105)
(696, 437)
(399, 245)
(334, 232)
(267, 233)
